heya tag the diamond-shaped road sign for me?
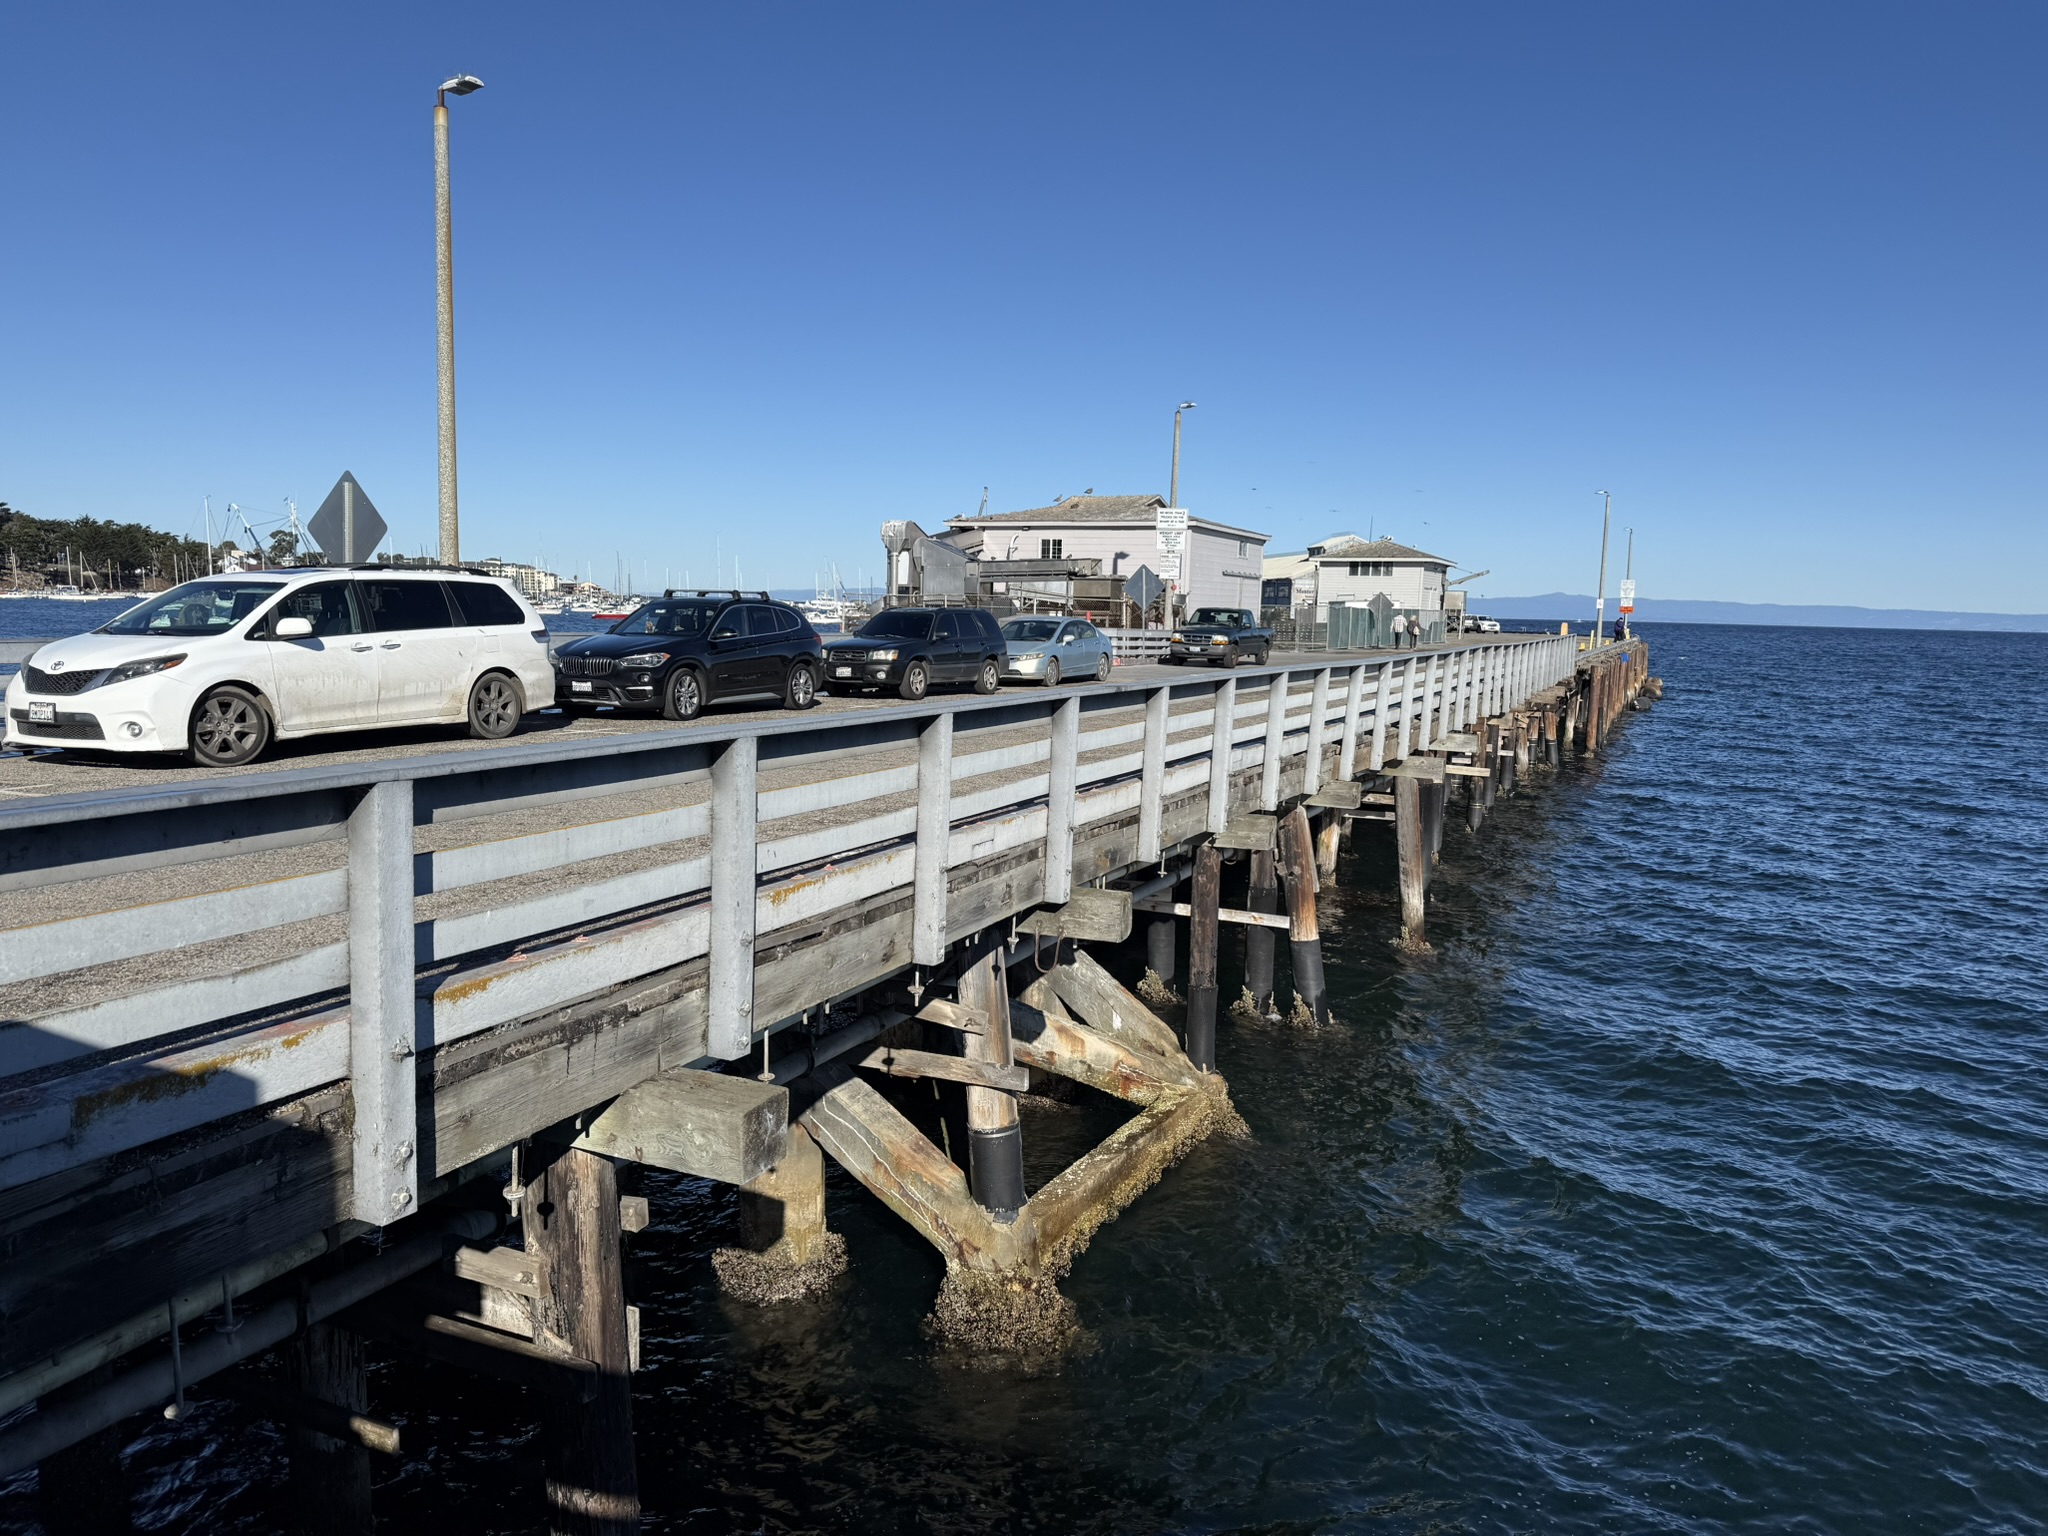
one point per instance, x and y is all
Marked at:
(347, 527)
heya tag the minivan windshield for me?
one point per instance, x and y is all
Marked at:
(684, 619)
(898, 626)
(1218, 615)
(196, 608)
(1031, 629)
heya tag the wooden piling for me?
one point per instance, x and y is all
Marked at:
(1327, 834)
(571, 1218)
(1434, 796)
(1409, 846)
(786, 1251)
(1203, 902)
(1160, 941)
(1304, 938)
(330, 1479)
(995, 1139)
(1263, 895)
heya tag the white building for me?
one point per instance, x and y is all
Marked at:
(533, 582)
(1347, 569)
(1220, 563)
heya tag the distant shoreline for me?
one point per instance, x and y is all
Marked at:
(1555, 607)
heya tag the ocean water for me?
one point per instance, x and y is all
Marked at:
(1694, 1183)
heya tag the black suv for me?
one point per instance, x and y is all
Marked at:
(910, 649)
(677, 652)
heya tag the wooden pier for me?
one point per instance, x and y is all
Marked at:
(321, 1055)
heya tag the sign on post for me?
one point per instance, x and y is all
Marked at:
(1171, 532)
(1628, 597)
(347, 527)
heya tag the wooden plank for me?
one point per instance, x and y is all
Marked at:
(897, 1061)
(933, 821)
(1109, 1007)
(1254, 830)
(1342, 794)
(829, 794)
(709, 1124)
(449, 869)
(140, 1016)
(1223, 914)
(448, 938)
(734, 805)
(1063, 781)
(1098, 916)
(72, 943)
(1219, 757)
(836, 841)
(1428, 769)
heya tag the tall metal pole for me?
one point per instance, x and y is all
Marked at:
(1173, 481)
(1600, 593)
(444, 315)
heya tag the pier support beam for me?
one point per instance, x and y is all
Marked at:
(1434, 797)
(1327, 834)
(82, 1490)
(330, 1479)
(1304, 938)
(995, 1140)
(786, 1251)
(571, 1219)
(1262, 895)
(1413, 857)
(1203, 902)
(1160, 968)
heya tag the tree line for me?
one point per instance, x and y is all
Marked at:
(92, 552)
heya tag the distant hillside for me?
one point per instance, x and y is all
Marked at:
(1579, 609)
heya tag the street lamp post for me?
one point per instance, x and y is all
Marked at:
(444, 311)
(1173, 484)
(1600, 593)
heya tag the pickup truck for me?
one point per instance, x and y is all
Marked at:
(1221, 636)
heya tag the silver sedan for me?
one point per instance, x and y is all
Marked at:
(1054, 650)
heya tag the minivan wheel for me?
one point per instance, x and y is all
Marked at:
(1102, 669)
(229, 728)
(494, 707)
(801, 691)
(683, 698)
(917, 681)
(989, 678)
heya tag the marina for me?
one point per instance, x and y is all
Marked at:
(427, 996)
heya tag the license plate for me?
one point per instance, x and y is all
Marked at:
(579, 687)
(42, 714)
(842, 671)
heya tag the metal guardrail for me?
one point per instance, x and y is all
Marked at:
(90, 1081)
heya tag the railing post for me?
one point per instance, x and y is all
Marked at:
(1222, 726)
(1276, 735)
(1405, 716)
(1063, 772)
(1152, 777)
(1318, 706)
(934, 833)
(1469, 710)
(1382, 701)
(729, 1026)
(1354, 699)
(382, 1028)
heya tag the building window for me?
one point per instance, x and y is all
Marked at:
(1049, 549)
(1372, 568)
(1243, 548)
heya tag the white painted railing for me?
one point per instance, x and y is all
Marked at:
(979, 777)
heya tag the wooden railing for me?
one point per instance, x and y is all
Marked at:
(412, 933)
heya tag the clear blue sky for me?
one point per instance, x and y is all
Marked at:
(767, 275)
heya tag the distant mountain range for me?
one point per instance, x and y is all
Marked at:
(1579, 609)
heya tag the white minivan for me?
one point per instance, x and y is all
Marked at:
(220, 667)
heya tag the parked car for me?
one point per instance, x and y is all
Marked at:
(1055, 650)
(682, 650)
(219, 668)
(1222, 637)
(914, 649)
(1474, 624)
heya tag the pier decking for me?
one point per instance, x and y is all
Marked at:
(253, 1020)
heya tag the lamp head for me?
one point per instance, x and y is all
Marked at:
(462, 85)
(1185, 405)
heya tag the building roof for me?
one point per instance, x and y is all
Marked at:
(1350, 547)
(1134, 510)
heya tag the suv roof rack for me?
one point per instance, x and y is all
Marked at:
(732, 592)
